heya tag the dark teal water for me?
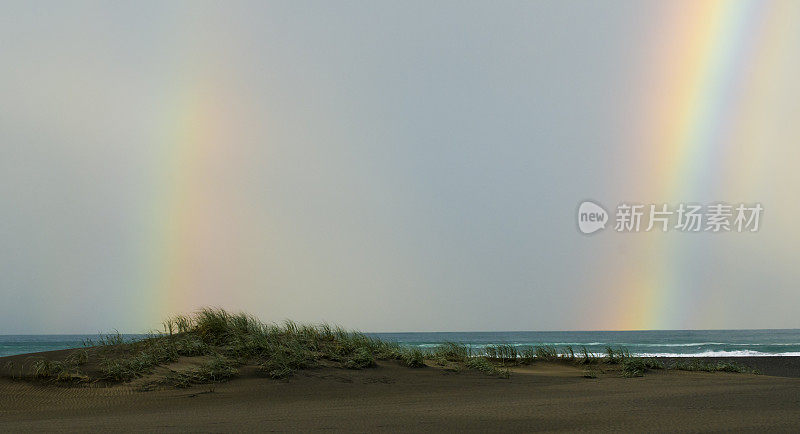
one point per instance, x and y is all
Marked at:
(23, 344)
(667, 343)
(648, 343)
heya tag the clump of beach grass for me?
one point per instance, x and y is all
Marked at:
(586, 357)
(452, 352)
(138, 358)
(527, 355)
(546, 352)
(482, 364)
(705, 366)
(638, 366)
(360, 358)
(65, 371)
(284, 360)
(215, 370)
(415, 358)
(616, 355)
(568, 354)
(504, 353)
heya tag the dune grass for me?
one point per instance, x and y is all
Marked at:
(66, 371)
(705, 366)
(546, 352)
(638, 366)
(502, 352)
(229, 340)
(482, 364)
(586, 358)
(452, 352)
(413, 358)
(215, 370)
(225, 341)
(279, 351)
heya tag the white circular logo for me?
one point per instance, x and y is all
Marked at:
(591, 217)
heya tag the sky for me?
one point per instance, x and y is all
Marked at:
(395, 166)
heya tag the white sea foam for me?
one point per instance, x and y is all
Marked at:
(740, 353)
(578, 343)
(689, 344)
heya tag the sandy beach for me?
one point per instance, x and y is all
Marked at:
(390, 397)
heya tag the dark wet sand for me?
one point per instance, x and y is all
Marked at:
(542, 397)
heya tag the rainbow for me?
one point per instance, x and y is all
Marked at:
(197, 244)
(710, 63)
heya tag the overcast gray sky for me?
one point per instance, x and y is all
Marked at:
(393, 166)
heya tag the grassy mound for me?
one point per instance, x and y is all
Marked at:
(212, 345)
(219, 343)
(236, 339)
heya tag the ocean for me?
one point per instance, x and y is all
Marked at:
(655, 343)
